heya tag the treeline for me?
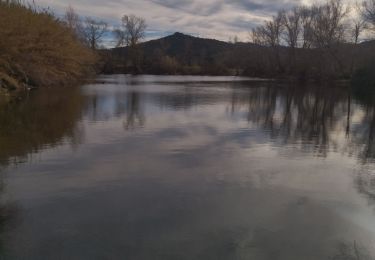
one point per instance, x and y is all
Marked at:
(38, 49)
(316, 41)
(307, 42)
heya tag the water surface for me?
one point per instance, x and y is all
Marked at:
(187, 168)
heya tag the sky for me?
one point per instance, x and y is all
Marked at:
(217, 19)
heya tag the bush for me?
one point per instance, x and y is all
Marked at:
(37, 49)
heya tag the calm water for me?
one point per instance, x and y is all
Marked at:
(187, 168)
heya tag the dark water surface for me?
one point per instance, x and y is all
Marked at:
(187, 168)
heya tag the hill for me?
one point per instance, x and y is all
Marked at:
(186, 47)
(185, 54)
(177, 54)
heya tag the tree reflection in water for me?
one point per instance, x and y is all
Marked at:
(134, 114)
(38, 120)
(316, 120)
(28, 124)
(306, 115)
(299, 115)
(9, 215)
(313, 117)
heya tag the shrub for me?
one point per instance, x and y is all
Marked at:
(38, 49)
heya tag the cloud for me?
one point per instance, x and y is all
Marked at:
(220, 19)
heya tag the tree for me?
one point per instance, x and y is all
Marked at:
(291, 22)
(132, 32)
(130, 35)
(307, 15)
(358, 25)
(292, 25)
(369, 12)
(327, 24)
(71, 18)
(273, 31)
(257, 35)
(269, 35)
(357, 29)
(74, 23)
(328, 32)
(94, 32)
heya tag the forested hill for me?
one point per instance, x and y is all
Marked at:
(178, 53)
(186, 47)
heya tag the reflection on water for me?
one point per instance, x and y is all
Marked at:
(36, 121)
(188, 168)
(8, 218)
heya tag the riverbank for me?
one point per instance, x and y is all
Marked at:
(39, 49)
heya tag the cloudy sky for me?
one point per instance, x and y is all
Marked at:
(219, 19)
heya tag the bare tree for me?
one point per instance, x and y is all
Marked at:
(369, 12)
(292, 23)
(358, 25)
(94, 32)
(269, 35)
(323, 28)
(132, 32)
(73, 21)
(275, 28)
(258, 36)
(307, 15)
(327, 24)
(357, 28)
(328, 32)
(120, 36)
(272, 30)
(71, 18)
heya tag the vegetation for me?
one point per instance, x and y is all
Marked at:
(322, 31)
(35, 120)
(175, 54)
(307, 42)
(94, 32)
(132, 32)
(183, 54)
(368, 13)
(39, 49)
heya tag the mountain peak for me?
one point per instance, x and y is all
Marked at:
(178, 34)
(183, 36)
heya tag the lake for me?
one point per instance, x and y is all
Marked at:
(166, 167)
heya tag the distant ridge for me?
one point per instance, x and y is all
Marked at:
(193, 55)
(183, 46)
(183, 54)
